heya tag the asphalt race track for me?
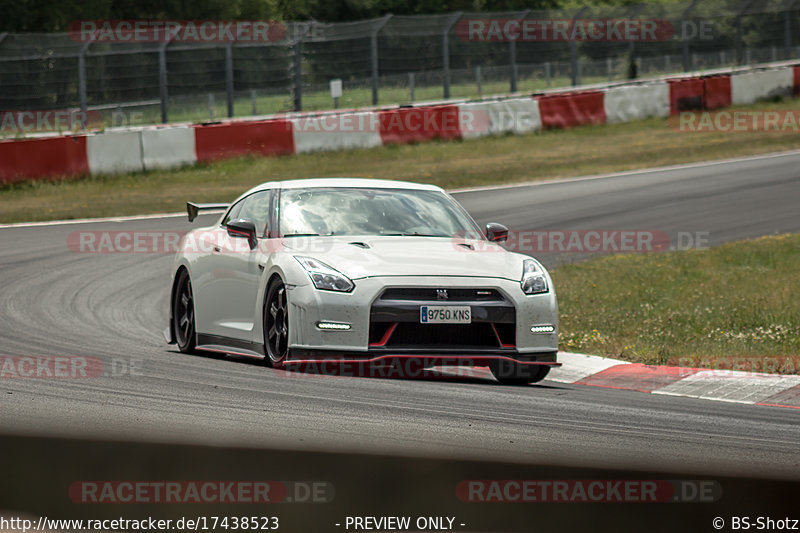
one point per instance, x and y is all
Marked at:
(114, 306)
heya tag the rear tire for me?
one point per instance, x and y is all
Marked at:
(183, 323)
(276, 324)
(511, 373)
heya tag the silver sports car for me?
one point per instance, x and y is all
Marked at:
(367, 271)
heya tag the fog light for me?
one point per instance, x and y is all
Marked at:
(337, 326)
(543, 329)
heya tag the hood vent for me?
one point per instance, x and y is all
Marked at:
(363, 245)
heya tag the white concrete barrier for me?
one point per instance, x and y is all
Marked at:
(113, 152)
(168, 147)
(758, 85)
(494, 118)
(636, 102)
(338, 131)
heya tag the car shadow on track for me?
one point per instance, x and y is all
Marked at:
(448, 374)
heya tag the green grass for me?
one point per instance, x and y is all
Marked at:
(494, 160)
(733, 306)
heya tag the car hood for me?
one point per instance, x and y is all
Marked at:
(361, 257)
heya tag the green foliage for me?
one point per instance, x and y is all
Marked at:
(55, 15)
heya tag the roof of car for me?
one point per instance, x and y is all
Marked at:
(343, 182)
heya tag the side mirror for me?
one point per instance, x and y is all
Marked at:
(496, 232)
(243, 229)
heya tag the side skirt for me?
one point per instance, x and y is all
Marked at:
(220, 344)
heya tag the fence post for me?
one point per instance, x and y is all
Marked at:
(631, 46)
(787, 28)
(573, 48)
(374, 54)
(297, 63)
(411, 86)
(446, 52)
(162, 80)
(229, 77)
(478, 79)
(82, 77)
(512, 55)
(739, 35)
(684, 39)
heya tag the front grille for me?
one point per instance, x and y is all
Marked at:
(453, 295)
(394, 320)
(409, 334)
(414, 335)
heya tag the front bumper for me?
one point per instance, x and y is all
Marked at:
(509, 321)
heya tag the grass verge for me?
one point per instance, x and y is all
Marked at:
(729, 307)
(544, 155)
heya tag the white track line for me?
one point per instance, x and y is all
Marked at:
(97, 220)
(700, 164)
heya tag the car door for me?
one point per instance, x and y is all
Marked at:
(205, 257)
(233, 287)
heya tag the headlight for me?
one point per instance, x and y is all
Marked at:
(325, 277)
(533, 278)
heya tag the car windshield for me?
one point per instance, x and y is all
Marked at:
(358, 211)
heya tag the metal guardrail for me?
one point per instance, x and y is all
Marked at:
(392, 59)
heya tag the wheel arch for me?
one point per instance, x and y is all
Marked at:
(175, 278)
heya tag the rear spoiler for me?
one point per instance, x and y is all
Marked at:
(194, 209)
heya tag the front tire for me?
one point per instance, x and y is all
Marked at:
(183, 323)
(511, 373)
(276, 324)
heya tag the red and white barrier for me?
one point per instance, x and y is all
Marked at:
(173, 146)
(568, 110)
(336, 132)
(796, 80)
(41, 158)
(636, 102)
(231, 139)
(516, 116)
(686, 94)
(419, 124)
(717, 92)
(751, 87)
(114, 152)
(164, 148)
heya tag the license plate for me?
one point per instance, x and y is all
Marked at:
(445, 314)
